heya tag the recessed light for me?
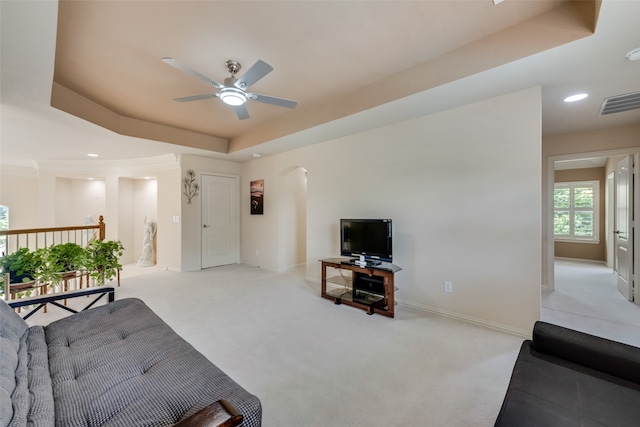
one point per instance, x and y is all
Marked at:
(92, 155)
(634, 55)
(147, 177)
(257, 155)
(576, 97)
(90, 179)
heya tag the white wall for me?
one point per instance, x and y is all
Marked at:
(462, 188)
(145, 205)
(19, 192)
(63, 200)
(44, 199)
(76, 199)
(126, 208)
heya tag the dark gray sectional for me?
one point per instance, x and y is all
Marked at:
(564, 377)
(114, 365)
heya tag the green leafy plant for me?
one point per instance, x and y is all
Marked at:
(102, 259)
(22, 266)
(61, 259)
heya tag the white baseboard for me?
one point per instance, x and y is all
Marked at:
(473, 320)
(491, 325)
(585, 261)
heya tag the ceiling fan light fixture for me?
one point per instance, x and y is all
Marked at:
(233, 97)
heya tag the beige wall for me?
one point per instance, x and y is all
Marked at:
(191, 228)
(169, 234)
(592, 141)
(583, 250)
(462, 188)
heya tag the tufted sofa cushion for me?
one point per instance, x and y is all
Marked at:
(121, 365)
(33, 397)
(13, 372)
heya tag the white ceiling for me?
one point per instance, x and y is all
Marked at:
(350, 66)
(592, 162)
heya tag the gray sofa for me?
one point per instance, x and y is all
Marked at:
(564, 377)
(114, 365)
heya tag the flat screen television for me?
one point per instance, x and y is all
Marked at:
(369, 237)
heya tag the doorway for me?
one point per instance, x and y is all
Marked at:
(607, 188)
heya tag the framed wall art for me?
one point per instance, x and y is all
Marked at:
(257, 197)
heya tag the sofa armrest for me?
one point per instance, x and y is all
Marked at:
(611, 357)
(219, 414)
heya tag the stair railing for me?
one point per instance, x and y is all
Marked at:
(35, 238)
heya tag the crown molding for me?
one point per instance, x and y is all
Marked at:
(95, 168)
(11, 170)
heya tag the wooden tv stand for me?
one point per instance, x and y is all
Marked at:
(370, 288)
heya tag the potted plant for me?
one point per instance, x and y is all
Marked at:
(102, 259)
(22, 266)
(61, 261)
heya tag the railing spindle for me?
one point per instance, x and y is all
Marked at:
(15, 239)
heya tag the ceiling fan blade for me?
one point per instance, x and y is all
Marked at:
(280, 102)
(253, 74)
(180, 66)
(195, 97)
(242, 112)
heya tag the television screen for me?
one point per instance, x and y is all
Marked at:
(369, 237)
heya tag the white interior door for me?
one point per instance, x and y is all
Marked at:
(610, 220)
(623, 239)
(220, 237)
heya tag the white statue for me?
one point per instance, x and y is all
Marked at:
(146, 260)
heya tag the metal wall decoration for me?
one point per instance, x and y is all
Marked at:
(190, 185)
(257, 197)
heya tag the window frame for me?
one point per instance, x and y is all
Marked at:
(4, 225)
(595, 210)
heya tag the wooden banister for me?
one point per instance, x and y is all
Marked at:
(100, 227)
(36, 238)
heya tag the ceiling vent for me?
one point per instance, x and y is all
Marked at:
(620, 103)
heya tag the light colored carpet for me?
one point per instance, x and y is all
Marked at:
(313, 363)
(586, 299)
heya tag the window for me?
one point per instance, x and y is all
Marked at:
(4, 225)
(575, 211)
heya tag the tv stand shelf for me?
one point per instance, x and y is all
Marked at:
(370, 288)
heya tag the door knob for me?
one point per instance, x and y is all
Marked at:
(206, 226)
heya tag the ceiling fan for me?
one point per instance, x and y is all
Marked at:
(234, 90)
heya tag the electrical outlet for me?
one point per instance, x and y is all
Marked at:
(257, 253)
(448, 287)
